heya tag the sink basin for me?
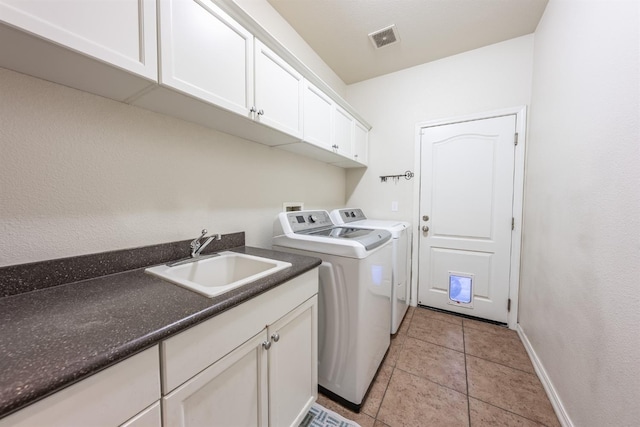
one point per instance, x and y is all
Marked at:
(214, 276)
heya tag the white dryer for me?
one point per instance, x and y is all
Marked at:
(354, 298)
(401, 256)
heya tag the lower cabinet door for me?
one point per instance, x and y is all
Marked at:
(231, 392)
(293, 365)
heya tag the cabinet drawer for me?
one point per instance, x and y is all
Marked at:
(192, 351)
(108, 398)
(150, 417)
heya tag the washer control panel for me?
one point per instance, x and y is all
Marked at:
(350, 215)
(308, 220)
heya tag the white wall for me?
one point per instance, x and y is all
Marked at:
(82, 174)
(490, 78)
(580, 271)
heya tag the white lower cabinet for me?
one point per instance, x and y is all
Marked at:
(270, 380)
(231, 392)
(125, 394)
(253, 365)
(267, 377)
(150, 417)
(293, 365)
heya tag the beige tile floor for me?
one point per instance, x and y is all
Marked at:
(443, 370)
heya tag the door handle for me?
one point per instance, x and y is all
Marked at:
(425, 228)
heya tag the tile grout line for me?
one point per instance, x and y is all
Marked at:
(396, 362)
(511, 412)
(433, 343)
(375, 418)
(502, 364)
(466, 375)
(430, 380)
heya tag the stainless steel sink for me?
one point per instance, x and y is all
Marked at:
(214, 276)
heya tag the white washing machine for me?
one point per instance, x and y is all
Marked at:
(354, 298)
(401, 256)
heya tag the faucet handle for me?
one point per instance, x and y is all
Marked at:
(195, 243)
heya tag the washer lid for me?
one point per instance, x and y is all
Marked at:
(369, 238)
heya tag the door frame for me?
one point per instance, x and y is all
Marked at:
(518, 199)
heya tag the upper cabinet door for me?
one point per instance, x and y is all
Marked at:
(360, 143)
(121, 33)
(343, 132)
(278, 92)
(206, 54)
(318, 117)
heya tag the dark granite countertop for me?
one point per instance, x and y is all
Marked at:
(54, 337)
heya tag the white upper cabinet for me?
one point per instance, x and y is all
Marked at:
(278, 92)
(204, 61)
(215, 73)
(360, 143)
(343, 132)
(98, 46)
(351, 140)
(330, 133)
(318, 117)
(206, 54)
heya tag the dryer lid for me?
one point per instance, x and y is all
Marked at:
(369, 238)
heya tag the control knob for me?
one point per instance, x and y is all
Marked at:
(313, 218)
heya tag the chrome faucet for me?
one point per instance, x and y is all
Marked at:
(197, 247)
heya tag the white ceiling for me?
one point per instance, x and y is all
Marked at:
(429, 29)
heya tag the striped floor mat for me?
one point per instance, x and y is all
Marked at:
(319, 416)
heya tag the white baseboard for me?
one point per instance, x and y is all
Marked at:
(561, 413)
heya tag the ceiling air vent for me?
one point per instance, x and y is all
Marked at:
(384, 37)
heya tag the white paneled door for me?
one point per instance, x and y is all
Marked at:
(466, 211)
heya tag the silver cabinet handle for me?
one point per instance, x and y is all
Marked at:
(425, 217)
(275, 337)
(253, 109)
(425, 228)
(260, 112)
(266, 345)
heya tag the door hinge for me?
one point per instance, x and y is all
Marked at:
(509, 305)
(513, 223)
(515, 139)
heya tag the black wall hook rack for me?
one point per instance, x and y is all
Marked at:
(407, 175)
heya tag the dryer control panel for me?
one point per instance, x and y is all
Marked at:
(350, 215)
(301, 221)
